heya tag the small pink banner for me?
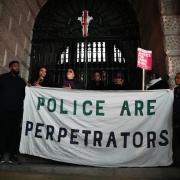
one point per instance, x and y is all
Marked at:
(144, 59)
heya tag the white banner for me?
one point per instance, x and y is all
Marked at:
(98, 128)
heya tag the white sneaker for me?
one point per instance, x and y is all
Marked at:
(10, 162)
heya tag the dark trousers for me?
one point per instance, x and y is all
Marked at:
(176, 146)
(10, 122)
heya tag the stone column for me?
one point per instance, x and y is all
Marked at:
(16, 24)
(170, 13)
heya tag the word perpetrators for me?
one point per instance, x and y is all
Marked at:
(137, 138)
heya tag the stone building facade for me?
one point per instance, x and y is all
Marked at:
(159, 24)
(170, 15)
(16, 27)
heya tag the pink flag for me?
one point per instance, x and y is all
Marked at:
(144, 59)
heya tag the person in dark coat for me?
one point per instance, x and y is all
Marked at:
(119, 82)
(157, 82)
(70, 81)
(12, 93)
(40, 79)
(176, 121)
(176, 104)
(96, 83)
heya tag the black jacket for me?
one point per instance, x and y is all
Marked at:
(159, 85)
(12, 92)
(176, 106)
(94, 85)
(114, 86)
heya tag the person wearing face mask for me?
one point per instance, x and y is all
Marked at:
(70, 81)
(12, 93)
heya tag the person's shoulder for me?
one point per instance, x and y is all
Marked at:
(4, 75)
(159, 85)
(101, 82)
(47, 83)
(155, 86)
(22, 80)
(128, 86)
(91, 82)
(164, 84)
(78, 84)
(111, 86)
(177, 89)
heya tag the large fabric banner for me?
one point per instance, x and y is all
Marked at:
(98, 128)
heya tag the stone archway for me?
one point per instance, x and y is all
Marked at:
(114, 23)
(17, 20)
(158, 25)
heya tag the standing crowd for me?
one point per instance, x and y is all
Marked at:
(12, 93)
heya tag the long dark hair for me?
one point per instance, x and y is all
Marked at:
(35, 76)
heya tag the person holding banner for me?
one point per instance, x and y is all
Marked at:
(156, 82)
(96, 83)
(41, 78)
(176, 120)
(12, 93)
(70, 81)
(119, 82)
